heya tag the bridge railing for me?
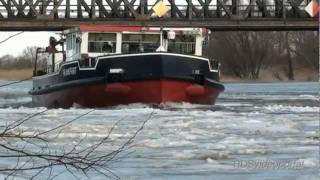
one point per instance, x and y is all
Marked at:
(126, 9)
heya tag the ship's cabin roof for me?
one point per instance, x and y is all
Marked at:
(85, 43)
(97, 40)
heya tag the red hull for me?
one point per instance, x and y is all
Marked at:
(151, 91)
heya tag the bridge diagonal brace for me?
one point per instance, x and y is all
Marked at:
(86, 6)
(248, 10)
(144, 8)
(205, 7)
(262, 7)
(79, 9)
(36, 3)
(19, 8)
(131, 8)
(202, 3)
(114, 7)
(175, 9)
(279, 8)
(8, 7)
(127, 10)
(43, 6)
(46, 4)
(32, 6)
(55, 9)
(194, 9)
(102, 9)
(228, 12)
(295, 6)
(25, 5)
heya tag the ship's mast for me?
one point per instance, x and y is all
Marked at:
(161, 48)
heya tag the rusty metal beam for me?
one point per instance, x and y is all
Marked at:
(67, 10)
(217, 25)
(79, 10)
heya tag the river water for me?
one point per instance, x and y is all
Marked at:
(250, 126)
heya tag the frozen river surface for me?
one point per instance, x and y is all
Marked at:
(250, 126)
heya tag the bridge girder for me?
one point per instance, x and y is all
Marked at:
(214, 14)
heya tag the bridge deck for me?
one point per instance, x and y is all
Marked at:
(213, 24)
(50, 15)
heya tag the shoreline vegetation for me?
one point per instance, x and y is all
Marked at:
(267, 75)
(243, 56)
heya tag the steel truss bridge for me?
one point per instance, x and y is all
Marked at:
(51, 15)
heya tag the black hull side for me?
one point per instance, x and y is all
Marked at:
(137, 67)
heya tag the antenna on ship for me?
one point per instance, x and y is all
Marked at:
(161, 48)
(165, 36)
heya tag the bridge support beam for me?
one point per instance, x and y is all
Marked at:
(216, 25)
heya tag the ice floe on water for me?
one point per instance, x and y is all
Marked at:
(190, 141)
(292, 109)
(308, 96)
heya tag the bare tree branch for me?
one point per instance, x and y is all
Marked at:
(74, 160)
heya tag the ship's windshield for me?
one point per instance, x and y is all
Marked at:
(143, 42)
(102, 42)
(73, 46)
(133, 43)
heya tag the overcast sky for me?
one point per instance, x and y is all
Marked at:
(15, 45)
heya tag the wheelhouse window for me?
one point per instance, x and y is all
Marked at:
(134, 43)
(182, 43)
(73, 46)
(102, 43)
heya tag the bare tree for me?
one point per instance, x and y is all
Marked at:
(32, 151)
(25, 60)
(242, 54)
(297, 50)
(284, 55)
(306, 49)
(7, 61)
(285, 46)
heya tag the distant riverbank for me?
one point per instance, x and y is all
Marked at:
(266, 76)
(15, 74)
(277, 75)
